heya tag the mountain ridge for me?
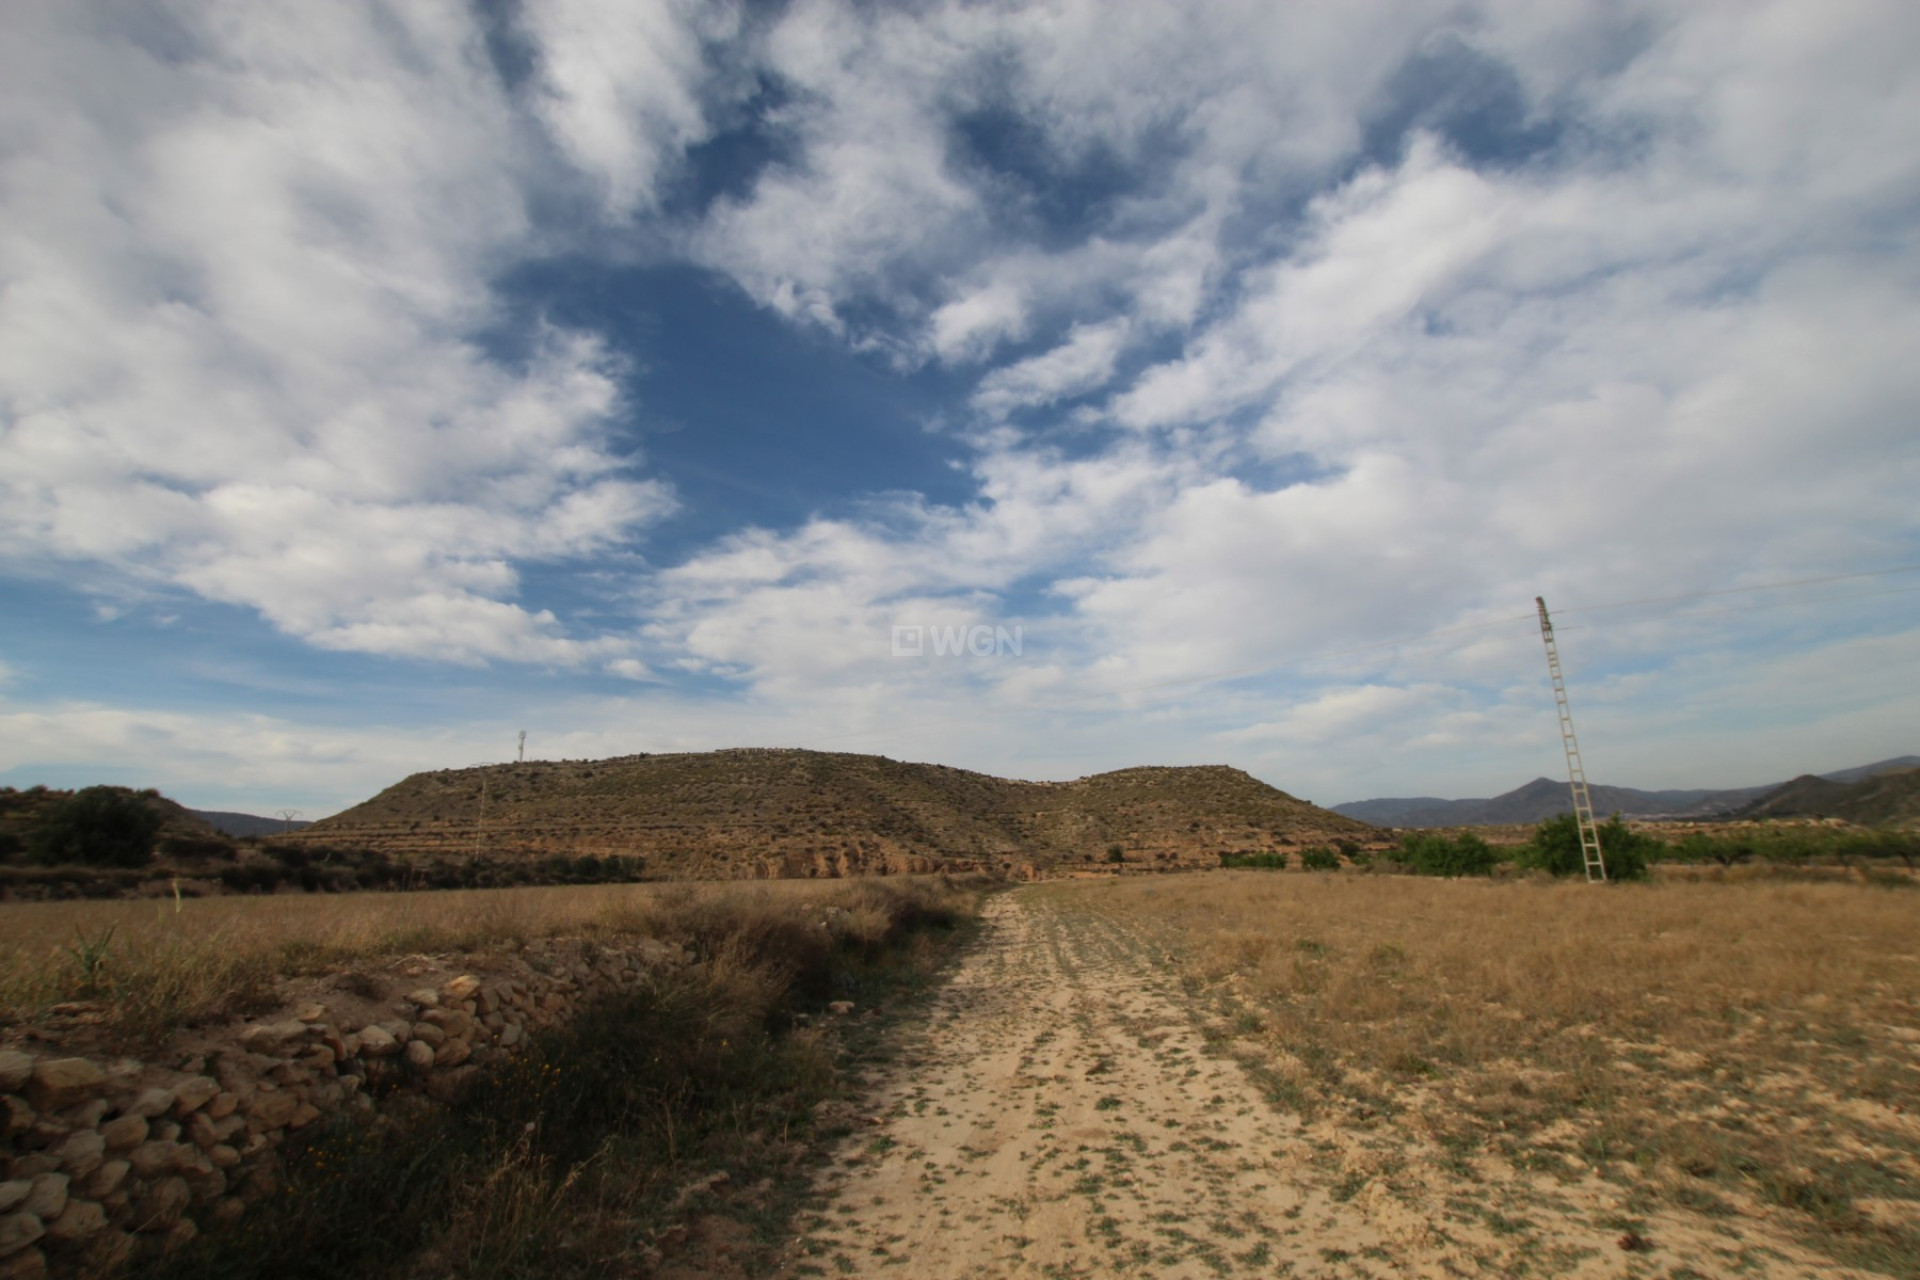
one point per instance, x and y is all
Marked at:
(1544, 798)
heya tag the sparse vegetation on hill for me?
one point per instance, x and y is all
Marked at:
(1890, 799)
(779, 813)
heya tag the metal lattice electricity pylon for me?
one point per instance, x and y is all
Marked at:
(1576, 773)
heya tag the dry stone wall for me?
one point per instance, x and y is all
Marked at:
(109, 1161)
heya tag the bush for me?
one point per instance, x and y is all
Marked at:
(1904, 845)
(1555, 848)
(96, 826)
(1319, 860)
(1116, 854)
(1271, 860)
(1430, 854)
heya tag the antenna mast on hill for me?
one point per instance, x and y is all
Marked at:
(523, 746)
(1576, 773)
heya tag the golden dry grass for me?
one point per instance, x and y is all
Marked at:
(1735, 1047)
(150, 966)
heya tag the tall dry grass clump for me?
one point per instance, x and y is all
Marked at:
(141, 969)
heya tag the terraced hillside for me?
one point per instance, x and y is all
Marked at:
(778, 813)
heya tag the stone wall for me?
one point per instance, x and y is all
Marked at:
(112, 1160)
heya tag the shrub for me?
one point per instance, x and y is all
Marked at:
(96, 826)
(1431, 854)
(1904, 845)
(1319, 859)
(1271, 860)
(1116, 854)
(1555, 848)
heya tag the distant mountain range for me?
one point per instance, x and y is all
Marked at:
(1544, 797)
(246, 824)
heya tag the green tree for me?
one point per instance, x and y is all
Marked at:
(96, 826)
(1432, 854)
(1319, 859)
(1555, 848)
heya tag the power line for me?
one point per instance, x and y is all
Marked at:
(1735, 591)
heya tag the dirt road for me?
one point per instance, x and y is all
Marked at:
(1057, 1115)
(1059, 1112)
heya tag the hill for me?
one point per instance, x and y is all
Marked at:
(779, 813)
(1886, 799)
(1544, 798)
(21, 812)
(246, 824)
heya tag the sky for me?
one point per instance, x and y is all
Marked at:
(1037, 388)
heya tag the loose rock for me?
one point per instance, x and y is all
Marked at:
(124, 1133)
(271, 1111)
(15, 1116)
(80, 1219)
(107, 1179)
(81, 1153)
(194, 1093)
(63, 1082)
(48, 1196)
(17, 1231)
(377, 1042)
(162, 1206)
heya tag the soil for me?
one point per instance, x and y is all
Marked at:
(1063, 1108)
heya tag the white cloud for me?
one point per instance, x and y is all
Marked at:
(620, 85)
(970, 326)
(1084, 362)
(1392, 392)
(245, 257)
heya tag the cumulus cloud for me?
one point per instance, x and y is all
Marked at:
(1279, 331)
(247, 257)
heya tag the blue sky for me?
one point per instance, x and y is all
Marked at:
(377, 381)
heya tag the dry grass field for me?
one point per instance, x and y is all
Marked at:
(1725, 1063)
(1229, 1073)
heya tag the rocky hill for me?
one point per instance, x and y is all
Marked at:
(780, 813)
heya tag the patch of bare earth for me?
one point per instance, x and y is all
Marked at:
(1065, 1108)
